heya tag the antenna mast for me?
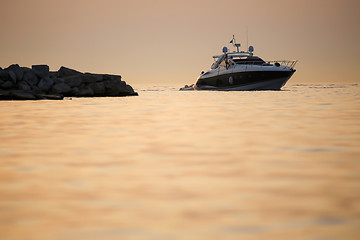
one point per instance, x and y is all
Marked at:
(237, 45)
(247, 38)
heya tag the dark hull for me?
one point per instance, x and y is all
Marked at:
(257, 80)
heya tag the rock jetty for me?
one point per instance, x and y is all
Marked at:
(38, 82)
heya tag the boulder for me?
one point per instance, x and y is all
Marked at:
(12, 76)
(75, 91)
(41, 70)
(91, 78)
(25, 69)
(22, 85)
(38, 82)
(31, 78)
(4, 75)
(61, 88)
(114, 88)
(112, 77)
(17, 70)
(65, 72)
(5, 95)
(7, 85)
(73, 81)
(130, 90)
(85, 91)
(59, 80)
(53, 74)
(45, 84)
(98, 88)
(36, 90)
(22, 95)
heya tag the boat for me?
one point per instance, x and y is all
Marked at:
(242, 70)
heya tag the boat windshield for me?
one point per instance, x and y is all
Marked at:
(249, 60)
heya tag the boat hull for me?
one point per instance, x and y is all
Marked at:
(244, 81)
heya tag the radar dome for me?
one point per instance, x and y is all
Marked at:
(251, 49)
(225, 49)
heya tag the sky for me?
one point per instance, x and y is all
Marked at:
(171, 42)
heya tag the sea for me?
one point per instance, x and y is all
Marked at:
(192, 165)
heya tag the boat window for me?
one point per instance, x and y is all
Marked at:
(249, 60)
(223, 64)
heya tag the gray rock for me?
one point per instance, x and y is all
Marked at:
(38, 82)
(98, 88)
(45, 84)
(5, 95)
(61, 88)
(12, 76)
(108, 84)
(25, 69)
(114, 87)
(65, 72)
(112, 77)
(41, 70)
(91, 78)
(17, 70)
(85, 91)
(22, 85)
(21, 95)
(130, 90)
(36, 90)
(73, 81)
(59, 80)
(53, 74)
(30, 78)
(74, 91)
(7, 85)
(4, 75)
(116, 81)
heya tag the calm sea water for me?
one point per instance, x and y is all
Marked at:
(183, 165)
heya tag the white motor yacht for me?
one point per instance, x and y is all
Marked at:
(241, 70)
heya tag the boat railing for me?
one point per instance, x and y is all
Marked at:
(287, 63)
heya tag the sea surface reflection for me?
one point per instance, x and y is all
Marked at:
(183, 165)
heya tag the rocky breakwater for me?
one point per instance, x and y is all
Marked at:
(38, 82)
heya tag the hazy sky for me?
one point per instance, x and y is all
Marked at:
(171, 42)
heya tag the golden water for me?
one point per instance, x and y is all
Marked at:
(183, 165)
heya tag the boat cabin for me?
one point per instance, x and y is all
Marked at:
(248, 60)
(237, 59)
